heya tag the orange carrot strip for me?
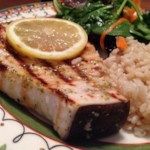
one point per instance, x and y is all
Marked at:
(130, 14)
(103, 36)
(121, 43)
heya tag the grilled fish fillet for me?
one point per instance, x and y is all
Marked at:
(76, 96)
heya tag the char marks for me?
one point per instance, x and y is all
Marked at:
(21, 61)
(78, 71)
(56, 71)
(64, 78)
(91, 68)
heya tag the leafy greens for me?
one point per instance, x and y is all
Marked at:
(96, 17)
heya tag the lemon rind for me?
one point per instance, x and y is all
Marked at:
(18, 45)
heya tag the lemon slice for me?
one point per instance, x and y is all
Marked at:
(47, 38)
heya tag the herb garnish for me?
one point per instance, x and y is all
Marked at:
(95, 17)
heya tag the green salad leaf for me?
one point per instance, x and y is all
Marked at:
(93, 13)
(146, 17)
(96, 17)
(142, 28)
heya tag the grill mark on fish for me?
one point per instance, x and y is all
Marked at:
(90, 62)
(34, 75)
(84, 75)
(56, 71)
(31, 72)
(90, 74)
(77, 70)
(95, 65)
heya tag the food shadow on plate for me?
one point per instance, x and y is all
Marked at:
(96, 142)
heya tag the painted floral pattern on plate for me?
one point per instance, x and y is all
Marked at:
(18, 136)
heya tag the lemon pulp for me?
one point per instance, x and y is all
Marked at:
(47, 38)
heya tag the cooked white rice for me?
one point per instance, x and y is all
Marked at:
(130, 73)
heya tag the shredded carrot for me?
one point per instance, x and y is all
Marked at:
(130, 14)
(121, 43)
(105, 33)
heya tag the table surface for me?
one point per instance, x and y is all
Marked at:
(8, 3)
